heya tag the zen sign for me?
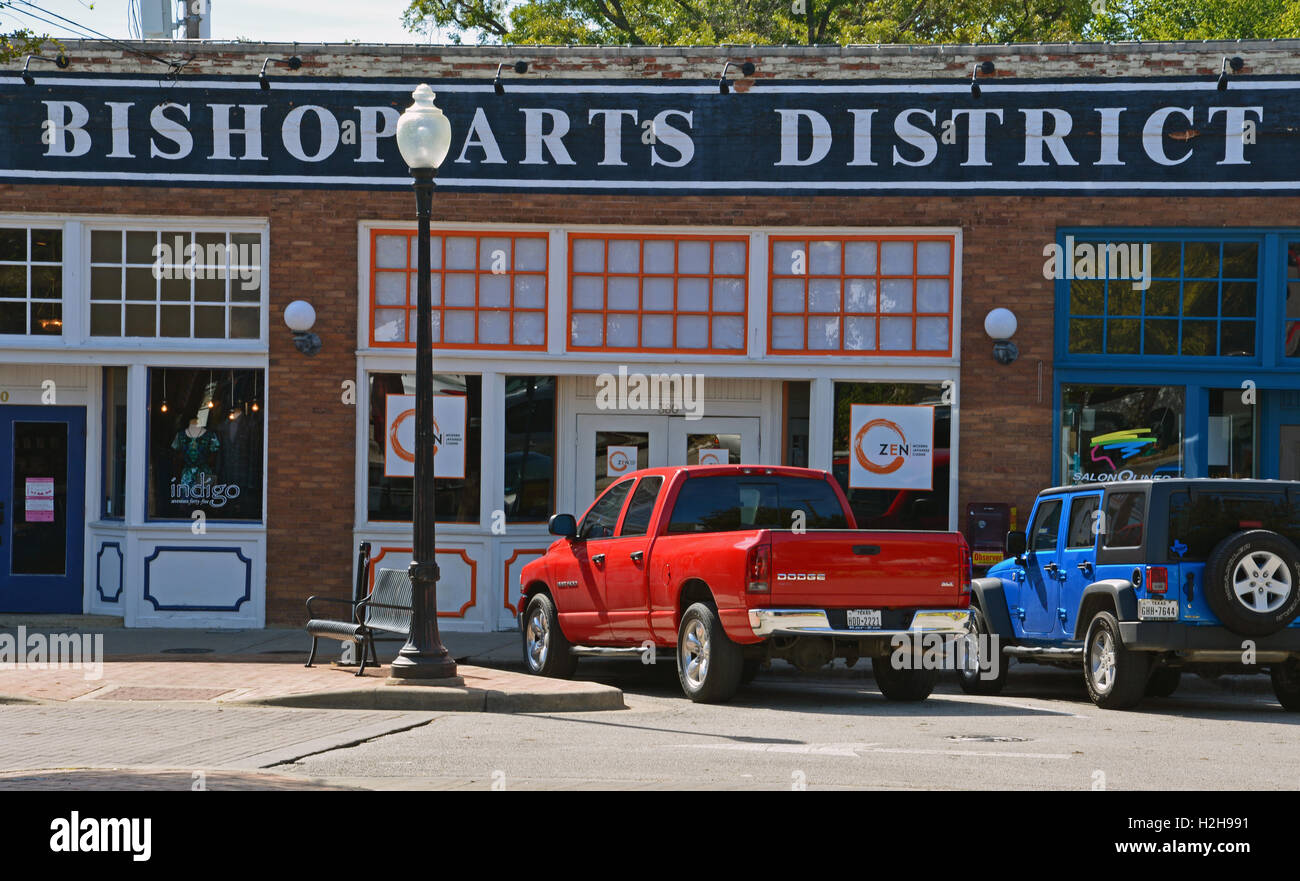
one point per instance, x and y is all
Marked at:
(1159, 136)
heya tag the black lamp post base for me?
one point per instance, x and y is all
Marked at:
(415, 666)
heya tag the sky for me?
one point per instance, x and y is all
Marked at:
(304, 21)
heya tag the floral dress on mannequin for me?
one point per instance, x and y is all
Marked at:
(196, 456)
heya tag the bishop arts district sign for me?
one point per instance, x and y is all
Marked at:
(1167, 136)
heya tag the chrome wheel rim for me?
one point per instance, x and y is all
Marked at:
(1262, 582)
(970, 662)
(1101, 661)
(538, 638)
(695, 654)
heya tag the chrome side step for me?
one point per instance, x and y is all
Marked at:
(601, 651)
(1034, 651)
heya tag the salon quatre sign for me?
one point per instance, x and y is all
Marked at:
(1172, 136)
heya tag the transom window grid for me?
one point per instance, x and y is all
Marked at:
(861, 295)
(31, 281)
(489, 289)
(1198, 312)
(212, 292)
(627, 293)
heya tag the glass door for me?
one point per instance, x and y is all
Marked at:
(717, 440)
(42, 508)
(610, 447)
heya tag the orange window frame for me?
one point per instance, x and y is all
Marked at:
(442, 272)
(641, 275)
(879, 276)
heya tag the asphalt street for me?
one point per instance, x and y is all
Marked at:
(785, 731)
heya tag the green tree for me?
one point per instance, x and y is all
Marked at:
(17, 43)
(1195, 20)
(705, 22)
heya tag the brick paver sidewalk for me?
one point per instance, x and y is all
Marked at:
(245, 679)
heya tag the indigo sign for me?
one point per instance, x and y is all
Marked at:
(1166, 136)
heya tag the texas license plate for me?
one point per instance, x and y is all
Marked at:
(1157, 610)
(864, 619)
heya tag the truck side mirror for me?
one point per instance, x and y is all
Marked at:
(562, 525)
(1017, 543)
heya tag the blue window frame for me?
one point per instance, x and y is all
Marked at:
(1194, 296)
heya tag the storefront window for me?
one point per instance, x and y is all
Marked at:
(1163, 298)
(1291, 342)
(1121, 432)
(206, 431)
(862, 295)
(175, 283)
(489, 289)
(797, 395)
(658, 293)
(457, 414)
(529, 464)
(31, 281)
(908, 508)
(1230, 450)
(114, 443)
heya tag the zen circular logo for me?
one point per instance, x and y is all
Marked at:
(397, 432)
(881, 447)
(618, 461)
(710, 459)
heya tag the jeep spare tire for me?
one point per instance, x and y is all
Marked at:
(1252, 582)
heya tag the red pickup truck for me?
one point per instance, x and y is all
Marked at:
(731, 565)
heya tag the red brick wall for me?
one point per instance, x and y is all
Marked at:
(1006, 430)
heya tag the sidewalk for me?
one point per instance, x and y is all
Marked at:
(264, 668)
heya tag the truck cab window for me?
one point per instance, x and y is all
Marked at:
(637, 521)
(603, 516)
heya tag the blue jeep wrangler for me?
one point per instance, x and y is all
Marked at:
(1137, 581)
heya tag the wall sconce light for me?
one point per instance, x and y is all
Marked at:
(724, 84)
(1235, 63)
(61, 62)
(1001, 324)
(293, 63)
(984, 67)
(497, 85)
(300, 316)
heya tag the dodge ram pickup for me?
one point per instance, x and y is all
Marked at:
(732, 565)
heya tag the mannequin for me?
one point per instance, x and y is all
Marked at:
(198, 448)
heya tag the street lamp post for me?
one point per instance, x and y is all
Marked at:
(423, 138)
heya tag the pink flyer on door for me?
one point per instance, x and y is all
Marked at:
(40, 500)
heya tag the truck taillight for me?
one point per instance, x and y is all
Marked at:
(967, 568)
(758, 569)
(1157, 580)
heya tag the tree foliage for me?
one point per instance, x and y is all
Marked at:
(774, 22)
(15, 44)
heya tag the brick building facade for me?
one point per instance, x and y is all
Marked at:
(1013, 427)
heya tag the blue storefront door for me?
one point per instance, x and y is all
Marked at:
(42, 508)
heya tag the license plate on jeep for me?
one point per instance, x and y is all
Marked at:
(1157, 610)
(864, 619)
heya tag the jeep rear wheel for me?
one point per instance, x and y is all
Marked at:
(1116, 676)
(972, 675)
(709, 664)
(1286, 684)
(546, 651)
(901, 684)
(1252, 582)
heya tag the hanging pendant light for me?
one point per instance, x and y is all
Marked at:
(163, 408)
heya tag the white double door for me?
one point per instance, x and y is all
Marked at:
(612, 446)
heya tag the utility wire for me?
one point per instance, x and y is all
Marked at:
(91, 31)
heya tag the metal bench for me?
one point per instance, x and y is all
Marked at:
(386, 609)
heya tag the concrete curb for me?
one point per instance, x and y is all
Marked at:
(591, 697)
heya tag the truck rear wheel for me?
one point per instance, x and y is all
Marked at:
(1252, 582)
(709, 664)
(546, 651)
(971, 675)
(1116, 676)
(902, 685)
(1286, 684)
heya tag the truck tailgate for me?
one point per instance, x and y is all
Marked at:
(853, 568)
